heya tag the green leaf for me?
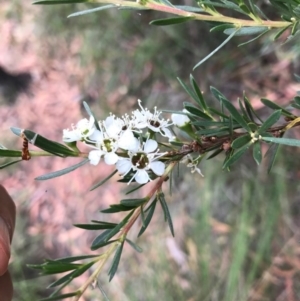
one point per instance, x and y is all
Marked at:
(171, 21)
(221, 27)
(280, 32)
(195, 111)
(250, 110)
(60, 297)
(108, 234)
(10, 153)
(257, 152)
(271, 153)
(236, 155)
(200, 100)
(254, 39)
(89, 111)
(134, 189)
(103, 181)
(97, 226)
(134, 246)
(61, 172)
(273, 118)
(285, 141)
(53, 267)
(9, 163)
(187, 8)
(72, 258)
(117, 208)
(274, 106)
(216, 50)
(48, 2)
(88, 11)
(69, 277)
(240, 141)
(47, 145)
(190, 92)
(133, 202)
(115, 262)
(215, 153)
(167, 214)
(148, 217)
(246, 31)
(235, 114)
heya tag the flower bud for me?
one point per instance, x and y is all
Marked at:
(180, 120)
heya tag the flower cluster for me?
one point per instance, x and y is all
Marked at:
(119, 142)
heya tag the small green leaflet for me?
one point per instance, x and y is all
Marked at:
(115, 263)
(167, 214)
(89, 11)
(285, 141)
(171, 21)
(61, 172)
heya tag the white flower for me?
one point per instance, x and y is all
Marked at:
(144, 118)
(82, 131)
(180, 120)
(141, 160)
(192, 163)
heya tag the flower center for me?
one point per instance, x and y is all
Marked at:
(155, 123)
(108, 145)
(140, 160)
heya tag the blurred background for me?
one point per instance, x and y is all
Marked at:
(237, 233)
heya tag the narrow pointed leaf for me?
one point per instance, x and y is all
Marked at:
(134, 245)
(257, 152)
(195, 111)
(61, 172)
(236, 155)
(69, 277)
(89, 111)
(133, 202)
(246, 31)
(108, 234)
(240, 141)
(117, 208)
(100, 226)
(170, 21)
(73, 258)
(9, 163)
(272, 153)
(60, 297)
(235, 114)
(166, 212)
(274, 106)
(47, 145)
(9, 153)
(200, 99)
(134, 189)
(148, 217)
(115, 262)
(285, 141)
(103, 181)
(89, 11)
(273, 118)
(217, 49)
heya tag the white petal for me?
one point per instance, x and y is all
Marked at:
(167, 133)
(127, 141)
(141, 176)
(96, 136)
(158, 167)
(111, 158)
(71, 136)
(150, 146)
(95, 156)
(123, 166)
